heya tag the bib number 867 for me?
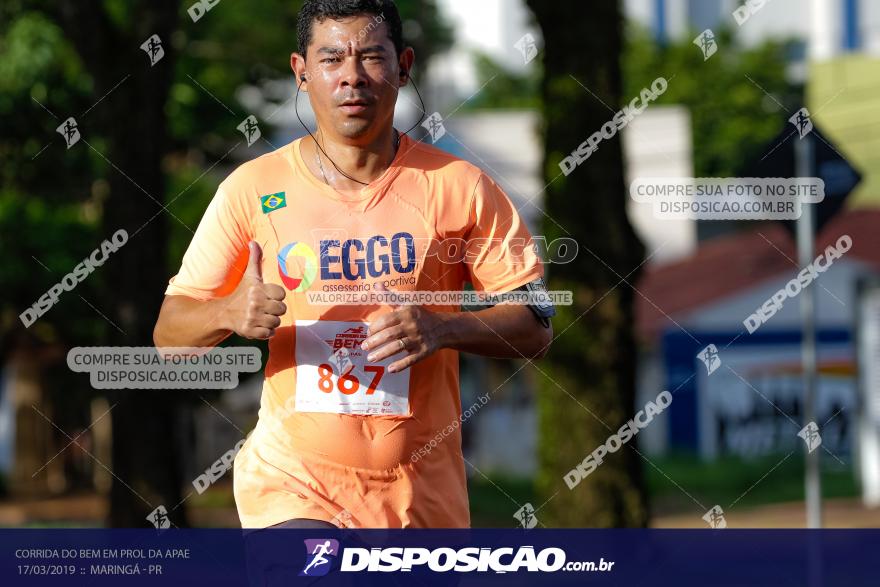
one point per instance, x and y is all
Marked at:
(348, 383)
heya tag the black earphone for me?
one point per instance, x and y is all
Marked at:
(302, 80)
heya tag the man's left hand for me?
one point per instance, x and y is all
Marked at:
(408, 329)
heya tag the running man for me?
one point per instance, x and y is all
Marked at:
(351, 392)
(319, 552)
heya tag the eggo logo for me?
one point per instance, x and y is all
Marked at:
(297, 266)
(355, 259)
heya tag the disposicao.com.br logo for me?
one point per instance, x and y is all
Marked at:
(443, 559)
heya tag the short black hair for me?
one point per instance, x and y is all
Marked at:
(320, 10)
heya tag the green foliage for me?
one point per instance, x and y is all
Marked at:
(505, 89)
(48, 212)
(732, 116)
(39, 71)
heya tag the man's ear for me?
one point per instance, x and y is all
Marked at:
(298, 65)
(405, 63)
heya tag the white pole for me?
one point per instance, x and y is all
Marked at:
(825, 26)
(806, 248)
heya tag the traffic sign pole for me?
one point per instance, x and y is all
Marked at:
(806, 250)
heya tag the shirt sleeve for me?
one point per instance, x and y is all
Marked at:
(500, 254)
(218, 253)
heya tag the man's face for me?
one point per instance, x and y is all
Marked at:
(353, 76)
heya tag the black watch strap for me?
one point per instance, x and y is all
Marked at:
(541, 306)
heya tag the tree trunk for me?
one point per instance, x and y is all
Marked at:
(131, 119)
(589, 389)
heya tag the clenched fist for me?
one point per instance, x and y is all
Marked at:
(256, 308)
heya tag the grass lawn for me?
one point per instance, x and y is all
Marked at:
(760, 481)
(755, 482)
(490, 508)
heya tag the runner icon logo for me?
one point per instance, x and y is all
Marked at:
(319, 557)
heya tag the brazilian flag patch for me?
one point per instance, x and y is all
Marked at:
(273, 202)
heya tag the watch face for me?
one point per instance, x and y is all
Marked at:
(542, 300)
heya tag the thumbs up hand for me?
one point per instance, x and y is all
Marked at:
(256, 307)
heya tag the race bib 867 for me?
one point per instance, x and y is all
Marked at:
(334, 376)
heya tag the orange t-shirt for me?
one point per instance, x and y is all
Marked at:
(338, 438)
